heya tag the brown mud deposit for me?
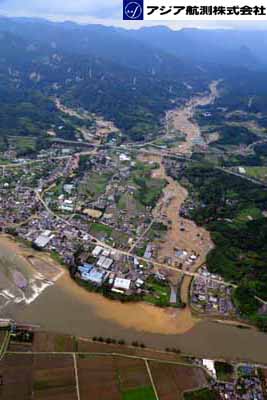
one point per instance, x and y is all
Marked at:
(182, 119)
(102, 126)
(182, 233)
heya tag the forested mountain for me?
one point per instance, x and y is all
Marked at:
(129, 77)
(93, 67)
(104, 42)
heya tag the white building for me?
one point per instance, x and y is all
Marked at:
(97, 251)
(104, 262)
(121, 283)
(210, 366)
(43, 239)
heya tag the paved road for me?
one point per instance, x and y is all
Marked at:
(123, 252)
(151, 379)
(76, 376)
(242, 176)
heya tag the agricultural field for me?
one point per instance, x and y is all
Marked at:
(127, 202)
(54, 377)
(2, 336)
(46, 377)
(112, 236)
(113, 378)
(49, 342)
(98, 377)
(101, 371)
(23, 144)
(249, 214)
(134, 381)
(17, 380)
(172, 380)
(149, 188)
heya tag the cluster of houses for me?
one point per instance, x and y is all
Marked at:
(18, 200)
(106, 269)
(107, 206)
(209, 294)
(246, 383)
(248, 386)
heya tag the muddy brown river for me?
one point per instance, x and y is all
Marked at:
(67, 308)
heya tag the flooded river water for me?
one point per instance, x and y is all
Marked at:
(67, 308)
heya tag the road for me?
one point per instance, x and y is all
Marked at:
(151, 379)
(76, 375)
(39, 197)
(161, 152)
(247, 178)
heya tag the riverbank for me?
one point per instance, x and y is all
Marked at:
(140, 315)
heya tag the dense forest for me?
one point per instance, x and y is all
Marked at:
(239, 114)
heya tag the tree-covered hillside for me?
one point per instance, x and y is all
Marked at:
(91, 67)
(234, 211)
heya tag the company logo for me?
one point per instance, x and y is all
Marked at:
(133, 10)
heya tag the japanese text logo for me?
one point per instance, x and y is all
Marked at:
(133, 10)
